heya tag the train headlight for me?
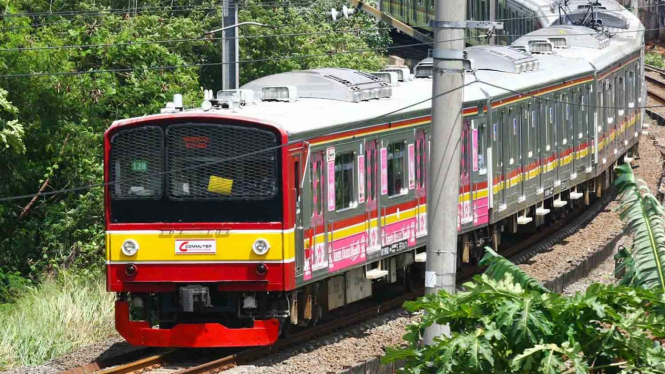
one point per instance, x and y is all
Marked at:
(261, 247)
(130, 247)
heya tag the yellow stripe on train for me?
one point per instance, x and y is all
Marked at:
(229, 246)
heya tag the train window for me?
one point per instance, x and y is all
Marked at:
(317, 196)
(602, 109)
(138, 163)
(371, 175)
(563, 105)
(533, 143)
(482, 167)
(344, 180)
(631, 89)
(569, 120)
(610, 103)
(549, 128)
(422, 162)
(621, 96)
(396, 164)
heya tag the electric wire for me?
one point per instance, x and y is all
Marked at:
(197, 65)
(153, 9)
(87, 187)
(168, 41)
(228, 159)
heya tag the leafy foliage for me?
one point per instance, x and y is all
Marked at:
(498, 266)
(644, 263)
(499, 326)
(37, 114)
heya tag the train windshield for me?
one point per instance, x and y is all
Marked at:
(194, 172)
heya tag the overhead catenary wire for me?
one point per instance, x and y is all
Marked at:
(152, 9)
(99, 185)
(266, 5)
(196, 65)
(228, 159)
(9, 17)
(168, 41)
(204, 39)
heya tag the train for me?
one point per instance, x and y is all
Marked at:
(297, 194)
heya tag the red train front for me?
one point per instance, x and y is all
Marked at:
(199, 239)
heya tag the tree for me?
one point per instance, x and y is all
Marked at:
(67, 229)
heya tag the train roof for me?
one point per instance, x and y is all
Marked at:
(547, 11)
(327, 97)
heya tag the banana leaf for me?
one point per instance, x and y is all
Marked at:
(498, 266)
(645, 262)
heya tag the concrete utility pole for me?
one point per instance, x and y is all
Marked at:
(230, 49)
(443, 190)
(231, 66)
(493, 18)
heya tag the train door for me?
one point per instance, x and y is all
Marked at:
(577, 131)
(630, 103)
(398, 223)
(604, 123)
(298, 211)
(512, 175)
(612, 119)
(315, 254)
(497, 186)
(480, 201)
(547, 145)
(464, 210)
(565, 140)
(530, 150)
(371, 206)
(421, 182)
(621, 109)
(586, 114)
(522, 149)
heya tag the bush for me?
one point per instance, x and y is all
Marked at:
(514, 325)
(55, 318)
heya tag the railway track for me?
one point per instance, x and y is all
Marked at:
(213, 361)
(656, 77)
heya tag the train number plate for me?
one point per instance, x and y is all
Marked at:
(197, 246)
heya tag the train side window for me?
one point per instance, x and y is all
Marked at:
(533, 145)
(344, 172)
(570, 117)
(482, 167)
(631, 89)
(422, 163)
(601, 95)
(610, 103)
(622, 96)
(371, 175)
(548, 127)
(396, 165)
(317, 196)
(565, 118)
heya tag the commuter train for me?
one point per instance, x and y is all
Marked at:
(271, 205)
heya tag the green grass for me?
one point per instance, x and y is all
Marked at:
(55, 318)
